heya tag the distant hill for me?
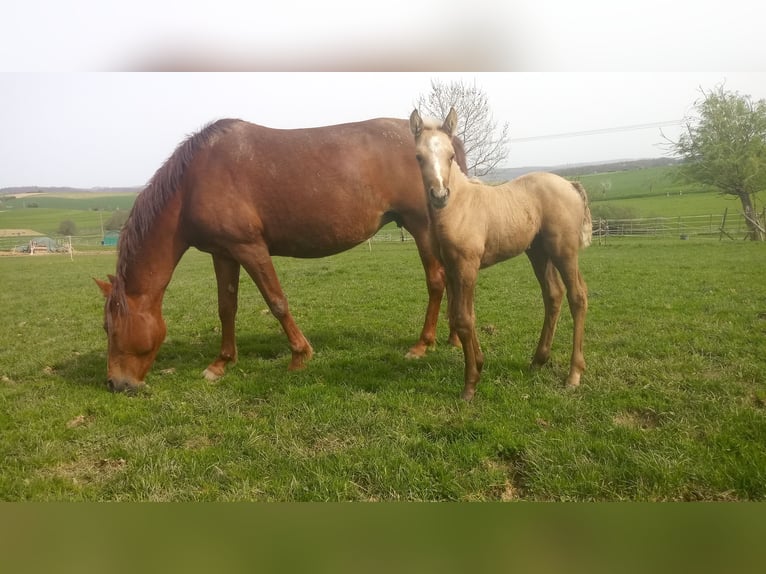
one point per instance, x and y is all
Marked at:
(501, 174)
(504, 174)
(37, 189)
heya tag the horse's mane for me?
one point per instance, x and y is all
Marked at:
(163, 184)
(460, 158)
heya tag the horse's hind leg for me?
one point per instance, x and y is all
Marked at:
(577, 295)
(553, 294)
(227, 277)
(257, 262)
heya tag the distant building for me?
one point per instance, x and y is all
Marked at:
(111, 238)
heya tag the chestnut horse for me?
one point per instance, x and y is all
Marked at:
(244, 193)
(477, 225)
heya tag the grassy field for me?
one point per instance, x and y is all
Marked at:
(672, 407)
(88, 211)
(652, 192)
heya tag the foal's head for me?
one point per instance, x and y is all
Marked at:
(134, 337)
(435, 154)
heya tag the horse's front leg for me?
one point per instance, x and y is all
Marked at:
(435, 281)
(463, 319)
(256, 260)
(227, 278)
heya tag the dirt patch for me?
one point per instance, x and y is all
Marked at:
(88, 470)
(19, 233)
(644, 419)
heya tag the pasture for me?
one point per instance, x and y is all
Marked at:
(672, 406)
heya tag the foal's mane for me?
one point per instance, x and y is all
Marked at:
(161, 187)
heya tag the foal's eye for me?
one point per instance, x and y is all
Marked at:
(419, 158)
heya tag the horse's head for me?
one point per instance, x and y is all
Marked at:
(436, 155)
(134, 336)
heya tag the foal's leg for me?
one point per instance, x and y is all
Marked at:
(463, 319)
(553, 294)
(257, 262)
(577, 295)
(227, 277)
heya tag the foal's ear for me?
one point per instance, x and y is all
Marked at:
(416, 123)
(106, 288)
(450, 122)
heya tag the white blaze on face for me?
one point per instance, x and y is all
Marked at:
(434, 146)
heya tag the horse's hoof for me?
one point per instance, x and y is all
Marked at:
(468, 394)
(210, 375)
(573, 382)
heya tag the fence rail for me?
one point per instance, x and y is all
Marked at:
(720, 226)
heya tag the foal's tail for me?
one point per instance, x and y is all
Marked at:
(587, 222)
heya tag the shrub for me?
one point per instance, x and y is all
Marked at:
(116, 221)
(67, 227)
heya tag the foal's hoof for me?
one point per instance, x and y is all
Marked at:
(468, 394)
(573, 382)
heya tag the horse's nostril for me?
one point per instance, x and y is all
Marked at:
(110, 384)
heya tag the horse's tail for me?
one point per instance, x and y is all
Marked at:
(587, 221)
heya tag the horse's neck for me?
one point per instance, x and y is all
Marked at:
(464, 188)
(150, 269)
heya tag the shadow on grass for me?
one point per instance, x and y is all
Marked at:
(339, 359)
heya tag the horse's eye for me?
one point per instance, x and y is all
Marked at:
(419, 158)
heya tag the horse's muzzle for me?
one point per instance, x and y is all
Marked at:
(438, 198)
(123, 385)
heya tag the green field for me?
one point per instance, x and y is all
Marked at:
(652, 192)
(671, 407)
(44, 213)
(641, 193)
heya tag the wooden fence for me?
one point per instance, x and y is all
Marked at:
(729, 226)
(725, 226)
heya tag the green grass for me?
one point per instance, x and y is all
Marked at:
(652, 192)
(89, 212)
(672, 406)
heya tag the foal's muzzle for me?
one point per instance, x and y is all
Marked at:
(439, 197)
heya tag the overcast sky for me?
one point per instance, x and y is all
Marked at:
(78, 108)
(116, 129)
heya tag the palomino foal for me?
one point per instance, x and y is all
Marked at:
(476, 225)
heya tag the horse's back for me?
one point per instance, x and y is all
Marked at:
(306, 192)
(555, 207)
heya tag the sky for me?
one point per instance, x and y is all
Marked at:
(115, 129)
(98, 94)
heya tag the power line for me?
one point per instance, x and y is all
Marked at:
(599, 131)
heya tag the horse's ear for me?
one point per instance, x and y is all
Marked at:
(450, 122)
(416, 123)
(106, 288)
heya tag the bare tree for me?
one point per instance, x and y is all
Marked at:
(485, 144)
